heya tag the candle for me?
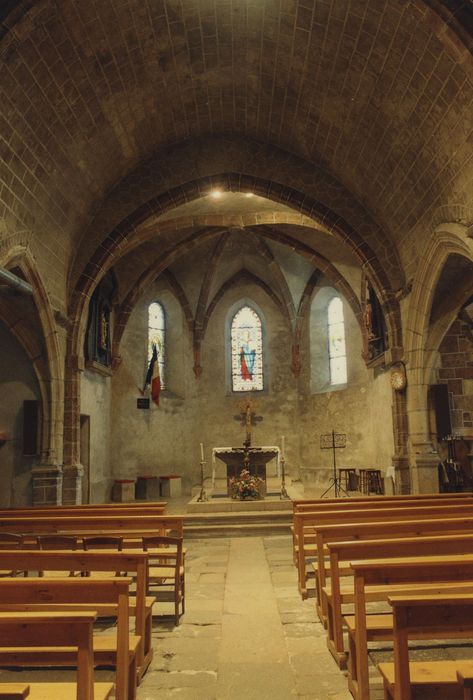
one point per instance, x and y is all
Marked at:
(282, 446)
(201, 452)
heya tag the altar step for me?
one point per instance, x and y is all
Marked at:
(237, 524)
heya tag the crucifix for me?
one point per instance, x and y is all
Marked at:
(248, 418)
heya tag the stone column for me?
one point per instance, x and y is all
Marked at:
(72, 470)
(425, 472)
(400, 459)
(72, 485)
(47, 485)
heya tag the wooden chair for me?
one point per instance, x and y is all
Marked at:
(348, 479)
(103, 542)
(57, 542)
(166, 569)
(11, 540)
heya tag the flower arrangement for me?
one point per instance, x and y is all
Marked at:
(246, 485)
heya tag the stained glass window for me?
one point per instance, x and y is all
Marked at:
(336, 342)
(157, 336)
(247, 351)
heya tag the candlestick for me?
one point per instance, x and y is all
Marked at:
(202, 451)
(282, 445)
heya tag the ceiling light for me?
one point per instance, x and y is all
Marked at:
(249, 194)
(216, 194)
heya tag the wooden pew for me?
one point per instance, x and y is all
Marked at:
(390, 573)
(106, 597)
(94, 525)
(135, 563)
(133, 505)
(427, 617)
(79, 512)
(14, 691)
(375, 530)
(309, 503)
(304, 524)
(466, 680)
(335, 595)
(74, 629)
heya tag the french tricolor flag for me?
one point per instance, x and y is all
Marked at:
(153, 378)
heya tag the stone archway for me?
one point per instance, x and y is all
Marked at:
(422, 343)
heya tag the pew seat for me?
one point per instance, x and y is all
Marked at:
(430, 680)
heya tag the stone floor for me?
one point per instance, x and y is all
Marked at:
(246, 633)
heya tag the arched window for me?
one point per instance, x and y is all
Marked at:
(157, 336)
(247, 350)
(336, 342)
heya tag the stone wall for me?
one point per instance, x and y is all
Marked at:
(18, 383)
(166, 439)
(456, 370)
(95, 402)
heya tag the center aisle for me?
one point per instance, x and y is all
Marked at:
(246, 633)
(253, 660)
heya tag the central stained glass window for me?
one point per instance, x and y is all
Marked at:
(247, 351)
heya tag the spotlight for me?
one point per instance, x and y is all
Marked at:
(249, 194)
(216, 194)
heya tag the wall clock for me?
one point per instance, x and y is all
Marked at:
(398, 377)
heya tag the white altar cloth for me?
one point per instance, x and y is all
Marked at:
(276, 449)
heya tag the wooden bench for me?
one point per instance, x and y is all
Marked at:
(427, 617)
(298, 504)
(76, 508)
(305, 523)
(387, 575)
(14, 691)
(37, 629)
(94, 525)
(135, 563)
(107, 597)
(345, 532)
(82, 512)
(466, 680)
(335, 595)
(381, 502)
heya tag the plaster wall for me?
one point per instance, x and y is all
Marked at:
(18, 383)
(95, 402)
(362, 409)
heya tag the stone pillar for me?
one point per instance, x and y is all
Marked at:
(400, 460)
(72, 485)
(73, 471)
(402, 475)
(47, 485)
(425, 472)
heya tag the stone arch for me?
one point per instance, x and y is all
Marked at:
(117, 241)
(422, 345)
(48, 368)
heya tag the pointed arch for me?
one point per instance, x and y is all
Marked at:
(47, 361)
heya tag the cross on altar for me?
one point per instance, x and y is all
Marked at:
(248, 417)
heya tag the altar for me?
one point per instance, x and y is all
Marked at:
(233, 458)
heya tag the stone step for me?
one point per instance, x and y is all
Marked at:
(255, 529)
(237, 523)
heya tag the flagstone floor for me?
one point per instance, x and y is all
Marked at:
(246, 634)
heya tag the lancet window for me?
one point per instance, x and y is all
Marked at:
(336, 342)
(247, 350)
(157, 336)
